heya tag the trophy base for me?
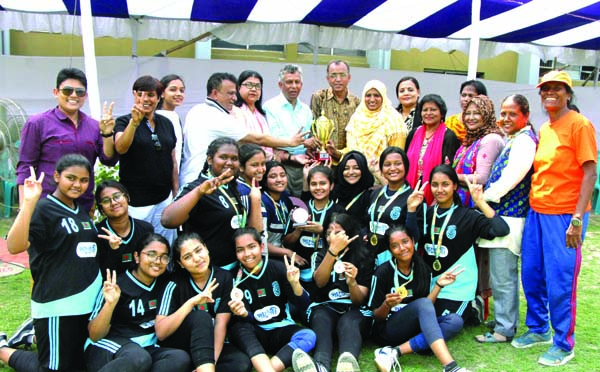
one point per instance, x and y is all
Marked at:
(323, 156)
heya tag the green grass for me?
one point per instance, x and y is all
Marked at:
(14, 308)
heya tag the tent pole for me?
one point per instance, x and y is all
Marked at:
(164, 53)
(474, 43)
(89, 53)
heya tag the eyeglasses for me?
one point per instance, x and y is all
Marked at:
(116, 197)
(251, 86)
(157, 145)
(67, 91)
(335, 75)
(153, 256)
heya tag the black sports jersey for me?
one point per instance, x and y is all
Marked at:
(336, 290)
(135, 313)
(266, 296)
(215, 220)
(181, 288)
(394, 214)
(62, 257)
(120, 259)
(387, 278)
(464, 227)
(278, 217)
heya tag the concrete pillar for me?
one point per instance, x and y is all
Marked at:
(379, 58)
(528, 69)
(202, 49)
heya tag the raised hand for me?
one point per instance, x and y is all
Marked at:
(298, 138)
(374, 165)
(255, 193)
(114, 240)
(32, 187)
(110, 289)
(475, 189)
(136, 115)
(209, 186)
(449, 276)
(293, 273)
(416, 198)
(332, 150)
(107, 122)
(339, 241)
(206, 295)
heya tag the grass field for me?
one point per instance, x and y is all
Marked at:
(14, 308)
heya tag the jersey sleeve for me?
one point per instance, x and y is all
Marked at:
(379, 287)
(167, 303)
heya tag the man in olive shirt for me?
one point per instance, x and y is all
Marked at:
(336, 102)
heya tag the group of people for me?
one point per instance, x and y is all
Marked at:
(231, 242)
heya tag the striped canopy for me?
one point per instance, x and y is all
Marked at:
(543, 27)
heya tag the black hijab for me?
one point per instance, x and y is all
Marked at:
(344, 192)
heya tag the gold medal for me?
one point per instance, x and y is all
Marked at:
(437, 266)
(403, 292)
(237, 294)
(373, 240)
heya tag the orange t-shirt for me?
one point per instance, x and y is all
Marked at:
(455, 124)
(564, 147)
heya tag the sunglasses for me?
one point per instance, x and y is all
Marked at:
(157, 145)
(67, 91)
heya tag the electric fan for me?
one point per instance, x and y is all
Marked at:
(12, 119)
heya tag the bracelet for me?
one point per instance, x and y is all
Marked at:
(439, 285)
(331, 253)
(107, 135)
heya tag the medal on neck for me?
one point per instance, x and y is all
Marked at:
(236, 293)
(437, 265)
(401, 289)
(374, 240)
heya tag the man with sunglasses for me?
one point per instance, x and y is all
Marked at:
(65, 129)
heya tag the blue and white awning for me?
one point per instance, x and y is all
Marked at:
(539, 26)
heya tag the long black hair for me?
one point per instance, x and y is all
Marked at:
(451, 173)
(241, 79)
(210, 153)
(358, 253)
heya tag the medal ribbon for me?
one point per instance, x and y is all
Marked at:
(222, 189)
(238, 277)
(280, 215)
(398, 273)
(353, 200)
(323, 212)
(396, 194)
(438, 246)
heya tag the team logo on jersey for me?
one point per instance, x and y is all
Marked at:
(152, 304)
(266, 313)
(261, 292)
(336, 294)
(127, 257)
(451, 232)
(86, 225)
(86, 249)
(276, 290)
(395, 213)
(223, 201)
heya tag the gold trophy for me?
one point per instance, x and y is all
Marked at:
(322, 129)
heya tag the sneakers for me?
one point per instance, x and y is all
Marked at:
(529, 339)
(3, 342)
(23, 335)
(302, 362)
(556, 356)
(478, 307)
(386, 359)
(347, 363)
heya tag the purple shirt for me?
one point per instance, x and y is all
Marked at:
(48, 136)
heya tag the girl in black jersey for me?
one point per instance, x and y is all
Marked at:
(60, 238)
(353, 182)
(388, 204)
(112, 200)
(252, 168)
(122, 335)
(211, 206)
(402, 299)
(194, 300)
(344, 267)
(260, 300)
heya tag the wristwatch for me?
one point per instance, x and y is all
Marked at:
(576, 221)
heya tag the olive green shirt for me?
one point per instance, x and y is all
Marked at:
(323, 101)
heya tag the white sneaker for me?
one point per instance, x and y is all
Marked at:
(386, 359)
(347, 363)
(302, 362)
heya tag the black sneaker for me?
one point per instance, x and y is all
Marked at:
(23, 336)
(3, 340)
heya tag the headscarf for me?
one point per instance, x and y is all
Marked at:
(345, 192)
(488, 116)
(367, 121)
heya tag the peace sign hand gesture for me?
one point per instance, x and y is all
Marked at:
(32, 187)
(449, 276)
(107, 122)
(114, 240)
(475, 190)
(206, 295)
(293, 273)
(209, 186)
(416, 198)
(110, 289)
(255, 193)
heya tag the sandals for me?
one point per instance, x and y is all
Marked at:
(490, 338)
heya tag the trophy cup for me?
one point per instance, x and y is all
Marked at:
(322, 129)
